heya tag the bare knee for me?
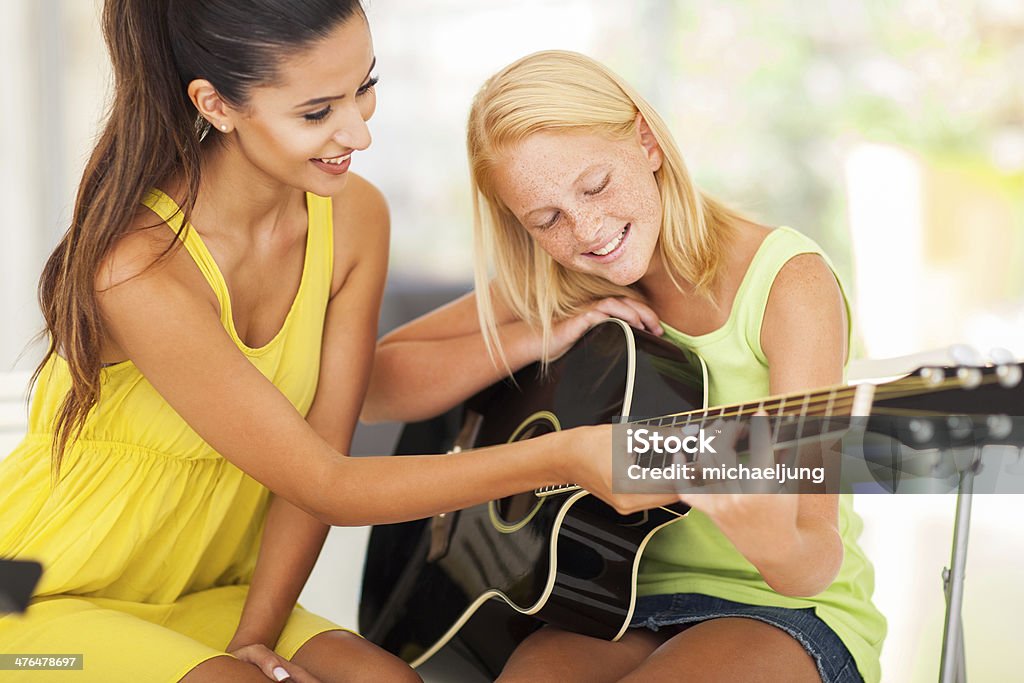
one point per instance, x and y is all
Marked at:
(394, 669)
(343, 656)
(224, 668)
(729, 649)
(554, 654)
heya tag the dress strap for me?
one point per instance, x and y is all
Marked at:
(169, 211)
(317, 270)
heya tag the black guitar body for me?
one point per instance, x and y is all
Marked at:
(482, 579)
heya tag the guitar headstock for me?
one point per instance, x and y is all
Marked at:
(967, 403)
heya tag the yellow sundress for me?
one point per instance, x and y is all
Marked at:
(149, 540)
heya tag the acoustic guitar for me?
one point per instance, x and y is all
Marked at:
(480, 580)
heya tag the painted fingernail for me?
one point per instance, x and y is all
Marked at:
(279, 673)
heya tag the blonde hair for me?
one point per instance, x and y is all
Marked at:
(566, 91)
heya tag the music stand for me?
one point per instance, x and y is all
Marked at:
(953, 668)
(17, 581)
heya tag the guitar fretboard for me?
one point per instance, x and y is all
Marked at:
(836, 405)
(787, 413)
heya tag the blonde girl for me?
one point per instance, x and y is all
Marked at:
(585, 209)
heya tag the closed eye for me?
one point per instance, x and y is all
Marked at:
(318, 116)
(366, 87)
(600, 188)
(550, 222)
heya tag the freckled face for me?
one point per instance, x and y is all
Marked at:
(302, 129)
(590, 202)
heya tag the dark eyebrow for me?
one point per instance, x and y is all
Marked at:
(320, 100)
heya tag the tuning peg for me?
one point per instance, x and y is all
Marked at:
(1009, 375)
(933, 376)
(1007, 369)
(969, 377)
(922, 430)
(962, 354)
(959, 426)
(999, 426)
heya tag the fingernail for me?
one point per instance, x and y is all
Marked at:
(279, 673)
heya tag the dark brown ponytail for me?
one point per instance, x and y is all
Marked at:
(152, 133)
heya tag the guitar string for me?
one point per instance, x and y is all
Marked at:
(828, 397)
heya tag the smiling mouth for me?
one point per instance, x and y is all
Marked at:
(612, 244)
(336, 161)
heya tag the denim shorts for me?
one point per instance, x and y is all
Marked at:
(835, 664)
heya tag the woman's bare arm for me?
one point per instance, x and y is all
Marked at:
(292, 539)
(173, 334)
(438, 360)
(433, 363)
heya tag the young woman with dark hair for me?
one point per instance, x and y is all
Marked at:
(187, 432)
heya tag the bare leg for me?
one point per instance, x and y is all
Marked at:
(728, 649)
(224, 668)
(552, 654)
(337, 656)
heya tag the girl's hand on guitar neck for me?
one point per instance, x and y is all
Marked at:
(589, 465)
(566, 332)
(781, 532)
(751, 503)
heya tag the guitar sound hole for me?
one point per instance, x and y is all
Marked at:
(515, 509)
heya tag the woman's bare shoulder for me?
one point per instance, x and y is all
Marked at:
(147, 248)
(360, 208)
(147, 253)
(362, 227)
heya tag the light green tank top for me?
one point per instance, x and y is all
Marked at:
(693, 556)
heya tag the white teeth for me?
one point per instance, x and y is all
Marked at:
(337, 161)
(610, 247)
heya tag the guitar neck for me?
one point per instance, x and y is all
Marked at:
(839, 401)
(930, 393)
(966, 390)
